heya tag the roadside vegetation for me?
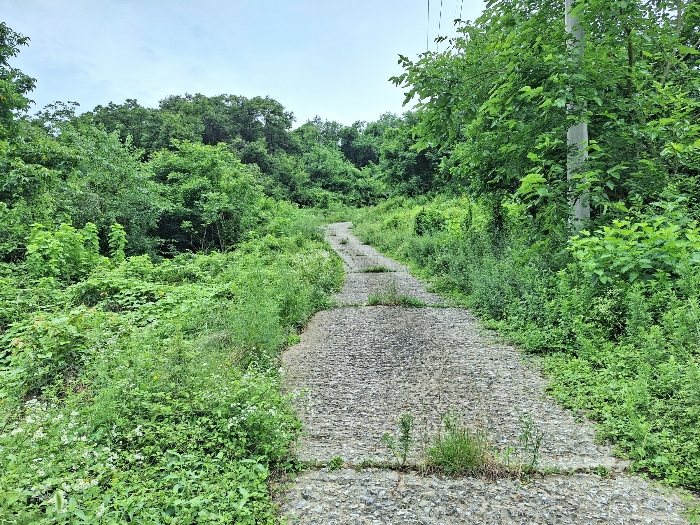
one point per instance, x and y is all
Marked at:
(144, 299)
(625, 354)
(154, 261)
(611, 303)
(147, 392)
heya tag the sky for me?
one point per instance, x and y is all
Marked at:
(331, 58)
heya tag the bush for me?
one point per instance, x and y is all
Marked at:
(637, 250)
(148, 392)
(65, 253)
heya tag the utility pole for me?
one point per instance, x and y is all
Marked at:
(576, 135)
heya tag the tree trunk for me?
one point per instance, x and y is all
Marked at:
(576, 135)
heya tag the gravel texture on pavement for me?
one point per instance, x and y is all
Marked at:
(381, 496)
(358, 368)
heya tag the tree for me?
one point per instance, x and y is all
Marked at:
(497, 98)
(146, 129)
(108, 184)
(406, 170)
(214, 198)
(14, 85)
(227, 117)
(317, 132)
(361, 143)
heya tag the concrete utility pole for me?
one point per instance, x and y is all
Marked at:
(576, 136)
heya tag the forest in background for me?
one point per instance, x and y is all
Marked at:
(170, 252)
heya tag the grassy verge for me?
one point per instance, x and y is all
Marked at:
(148, 392)
(628, 355)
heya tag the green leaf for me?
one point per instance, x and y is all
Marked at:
(685, 50)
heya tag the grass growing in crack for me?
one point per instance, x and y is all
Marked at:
(344, 240)
(335, 463)
(460, 450)
(531, 439)
(400, 447)
(376, 269)
(602, 471)
(389, 296)
(366, 463)
(525, 461)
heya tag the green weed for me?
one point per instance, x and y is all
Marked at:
(335, 464)
(293, 339)
(458, 450)
(389, 296)
(367, 463)
(531, 439)
(401, 446)
(602, 471)
(375, 269)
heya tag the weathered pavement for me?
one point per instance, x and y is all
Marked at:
(358, 368)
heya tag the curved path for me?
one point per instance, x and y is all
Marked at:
(357, 368)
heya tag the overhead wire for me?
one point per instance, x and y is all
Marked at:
(455, 17)
(427, 31)
(461, 5)
(437, 44)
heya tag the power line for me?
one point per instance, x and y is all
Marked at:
(427, 31)
(437, 44)
(458, 8)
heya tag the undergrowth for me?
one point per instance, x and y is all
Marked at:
(148, 391)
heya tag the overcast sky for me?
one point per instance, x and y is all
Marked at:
(330, 58)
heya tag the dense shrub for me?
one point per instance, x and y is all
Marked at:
(148, 391)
